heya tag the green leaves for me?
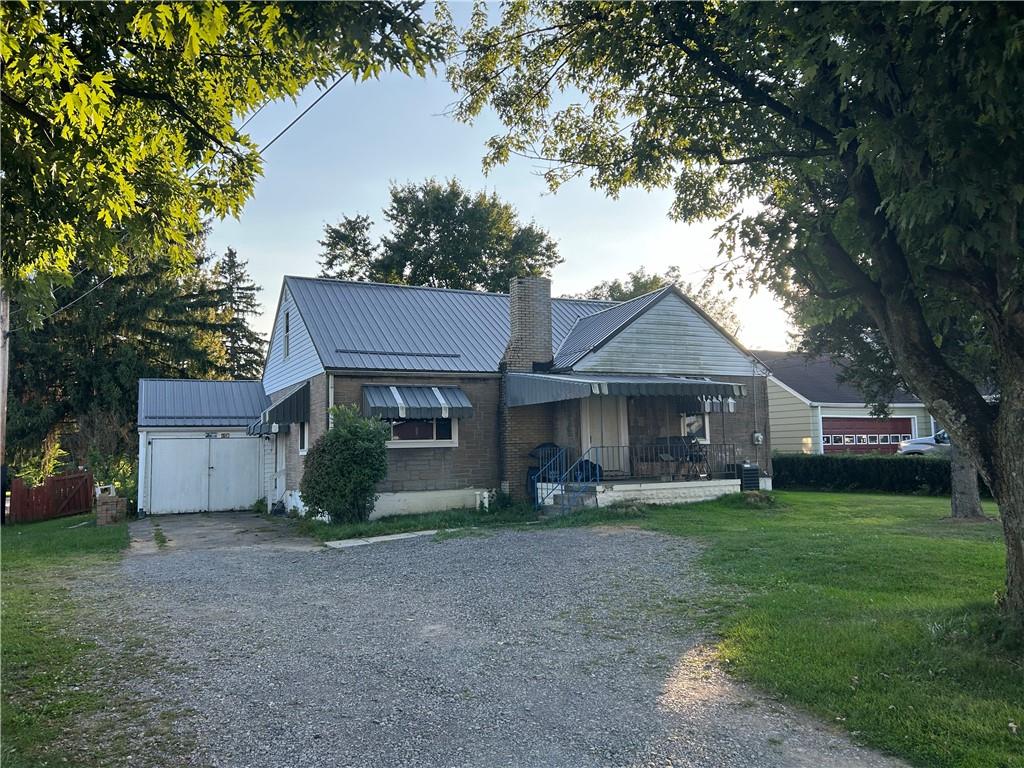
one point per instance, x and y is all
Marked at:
(441, 235)
(119, 118)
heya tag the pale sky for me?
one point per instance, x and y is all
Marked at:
(339, 159)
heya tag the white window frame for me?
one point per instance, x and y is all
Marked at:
(453, 443)
(303, 437)
(706, 440)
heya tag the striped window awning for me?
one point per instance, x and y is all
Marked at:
(395, 402)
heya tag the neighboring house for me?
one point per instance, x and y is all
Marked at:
(813, 412)
(499, 391)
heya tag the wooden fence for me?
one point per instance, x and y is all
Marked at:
(57, 496)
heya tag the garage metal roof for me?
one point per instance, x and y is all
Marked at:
(194, 403)
(378, 326)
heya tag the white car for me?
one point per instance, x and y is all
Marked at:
(934, 445)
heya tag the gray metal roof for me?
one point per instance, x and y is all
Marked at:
(595, 329)
(533, 388)
(378, 326)
(193, 403)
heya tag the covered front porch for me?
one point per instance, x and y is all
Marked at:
(660, 439)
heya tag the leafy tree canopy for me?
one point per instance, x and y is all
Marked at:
(880, 142)
(440, 235)
(718, 304)
(119, 127)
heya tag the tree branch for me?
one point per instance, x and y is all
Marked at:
(698, 50)
(27, 112)
(901, 319)
(178, 109)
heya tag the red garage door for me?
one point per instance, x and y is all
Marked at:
(863, 435)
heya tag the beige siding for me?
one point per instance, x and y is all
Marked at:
(670, 337)
(794, 423)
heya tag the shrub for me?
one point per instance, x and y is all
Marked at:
(851, 472)
(343, 467)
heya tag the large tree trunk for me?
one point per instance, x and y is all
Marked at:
(1009, 495)
(964, 499)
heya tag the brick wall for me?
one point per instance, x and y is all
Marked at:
(523, 429)
(472, 464)
(293, 461)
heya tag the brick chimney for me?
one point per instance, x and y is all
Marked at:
(529, 339)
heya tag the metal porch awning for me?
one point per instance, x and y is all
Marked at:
(291, 408)
(263, 428)
(395, 402)
(534, 388)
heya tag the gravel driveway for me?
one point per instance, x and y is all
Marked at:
(534, 648)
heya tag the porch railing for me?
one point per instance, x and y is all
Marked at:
(671, 462)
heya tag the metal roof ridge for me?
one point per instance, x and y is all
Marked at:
(612, 303)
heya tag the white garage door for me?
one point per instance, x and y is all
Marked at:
(203, 474)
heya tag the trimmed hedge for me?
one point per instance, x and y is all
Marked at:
(924, 475)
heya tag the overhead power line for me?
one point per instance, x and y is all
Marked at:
(267, 146)
(302, 114)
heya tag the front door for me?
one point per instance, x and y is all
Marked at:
(606, 430)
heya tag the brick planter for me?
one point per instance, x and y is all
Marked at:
(110, 510)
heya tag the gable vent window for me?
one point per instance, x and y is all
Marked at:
(287, 331)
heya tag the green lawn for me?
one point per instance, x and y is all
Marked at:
(47, 679)
(869, 610)
(872, 611)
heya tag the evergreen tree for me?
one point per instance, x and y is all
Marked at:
(86, 361)
(237, 292)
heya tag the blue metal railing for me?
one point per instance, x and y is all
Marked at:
(550, 477)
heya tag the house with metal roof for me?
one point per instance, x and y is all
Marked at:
(560, 401)
(812, 411)
(551, 399)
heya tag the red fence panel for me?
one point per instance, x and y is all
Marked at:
(57, 496)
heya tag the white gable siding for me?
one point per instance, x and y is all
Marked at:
(302, 361)
(670, 337)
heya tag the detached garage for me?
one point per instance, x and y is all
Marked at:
(194, 452)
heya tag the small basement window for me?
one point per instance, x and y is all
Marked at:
(412, 433)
